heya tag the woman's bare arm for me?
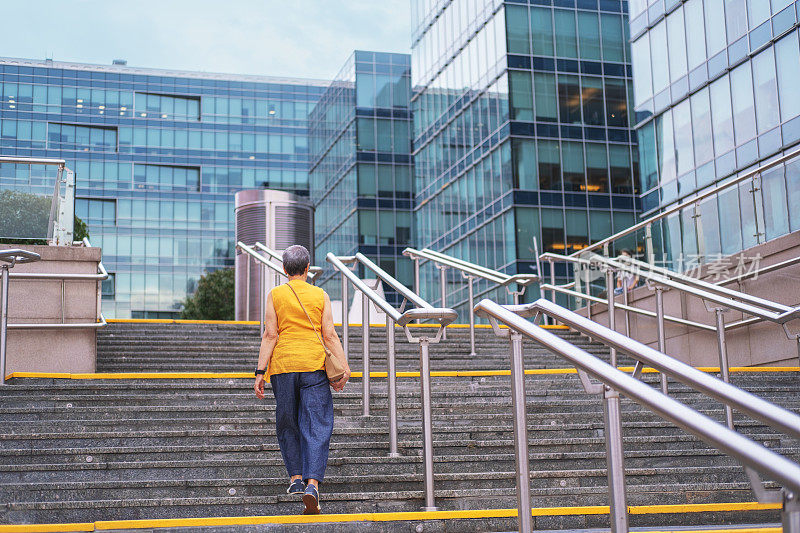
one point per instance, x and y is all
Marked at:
(268, 342)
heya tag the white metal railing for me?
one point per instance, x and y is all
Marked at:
(757, 459)
(263, 264)
(423, 311)
(469, 271)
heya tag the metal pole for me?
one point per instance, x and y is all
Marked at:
(427, 431)
(625, 302)
(790, 513)
(345, 319)
(610, 286)
(443, 283)
(518, 402)
(63, 297)
(262, 294)
(3, 322)
(416, 277)
(588, 293)
(662, 339)
(648, 244)
(723, 360)
(614, 461)
(471, 316)
(392, 388)
(247, 299)
(365, 352)
(552, 291)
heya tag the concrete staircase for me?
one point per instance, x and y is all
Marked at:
(84, 450)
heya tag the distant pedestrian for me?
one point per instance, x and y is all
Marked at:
(626, 281)
(292, 359)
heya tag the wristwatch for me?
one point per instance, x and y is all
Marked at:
(260, 372)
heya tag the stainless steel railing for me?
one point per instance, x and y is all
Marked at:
(758, 460)
(423, 311)
(263, 264)
(469, 271)
(717, 299)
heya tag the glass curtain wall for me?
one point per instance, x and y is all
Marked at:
(726, 103)
(521, 132)
(157, 156)
(362, 167)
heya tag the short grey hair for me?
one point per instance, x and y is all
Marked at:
(295, 259)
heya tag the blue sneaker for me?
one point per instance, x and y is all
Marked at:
(311, 500)
(296, 487)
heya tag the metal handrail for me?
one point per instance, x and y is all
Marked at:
(647, 222)
(755, 457)
(469, 271)
(313, 272)
(721, 300)
(775, 308)
(423, 311)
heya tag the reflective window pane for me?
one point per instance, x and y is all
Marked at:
(766, 90)
(744, 117)
(721, 115)
(542, 31)
(695, 33)
(788, 58)
(566, 38)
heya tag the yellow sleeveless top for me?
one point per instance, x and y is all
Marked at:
(298, 349)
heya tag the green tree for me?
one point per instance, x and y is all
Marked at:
(23, 215)
(213, 299)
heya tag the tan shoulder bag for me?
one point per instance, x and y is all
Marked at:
(333, 367)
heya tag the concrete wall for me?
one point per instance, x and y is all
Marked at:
(762, 344)
(39, 301)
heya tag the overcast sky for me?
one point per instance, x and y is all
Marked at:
(296, 38)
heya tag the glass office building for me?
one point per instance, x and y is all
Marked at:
(521, 130)
(157, 156)
(716, 93)
(361, 164)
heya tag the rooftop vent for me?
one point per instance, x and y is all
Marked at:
(122, 62)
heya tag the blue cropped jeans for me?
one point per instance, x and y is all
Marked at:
(304, 420)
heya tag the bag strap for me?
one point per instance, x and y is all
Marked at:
(308, 317)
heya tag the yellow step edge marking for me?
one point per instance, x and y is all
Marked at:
(408, 516)
(436, 373)
(256, 323)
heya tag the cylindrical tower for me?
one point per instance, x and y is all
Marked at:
(277, 219)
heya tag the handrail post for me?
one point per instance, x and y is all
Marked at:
(471, 291)
(519, 404)
(790, 512)
(662, 339)
(648, 244)
(365, 353)
(417, 288)
(392, 378)
(262, 295)
(625, 303)
(610, 286)
(615, 461)
(345, 319)
(443, 289)
(247, 289)
(3, 322)
(552, 283)
(427, 428)
(723, 359)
